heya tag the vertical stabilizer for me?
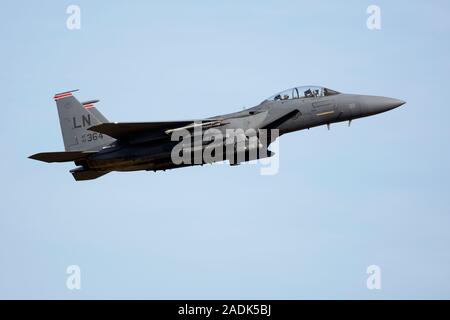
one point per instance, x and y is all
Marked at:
(75, 120)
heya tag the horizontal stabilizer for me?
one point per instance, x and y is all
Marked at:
(129, 130)
(64, 156)
(82, 175)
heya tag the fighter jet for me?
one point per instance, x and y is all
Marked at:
(98, 146)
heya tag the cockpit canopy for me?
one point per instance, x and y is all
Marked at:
(303, 92)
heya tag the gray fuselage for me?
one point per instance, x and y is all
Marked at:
(286, 115)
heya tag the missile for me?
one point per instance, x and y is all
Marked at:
(194, 125)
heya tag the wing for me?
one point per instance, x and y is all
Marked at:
(137, 132)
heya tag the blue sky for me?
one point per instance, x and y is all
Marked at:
(344, 199)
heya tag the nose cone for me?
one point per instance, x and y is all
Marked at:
(373, 104)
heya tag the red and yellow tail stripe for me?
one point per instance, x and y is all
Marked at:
(63, 95)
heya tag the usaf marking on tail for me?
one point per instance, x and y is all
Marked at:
(98, 146)
(86, 121)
